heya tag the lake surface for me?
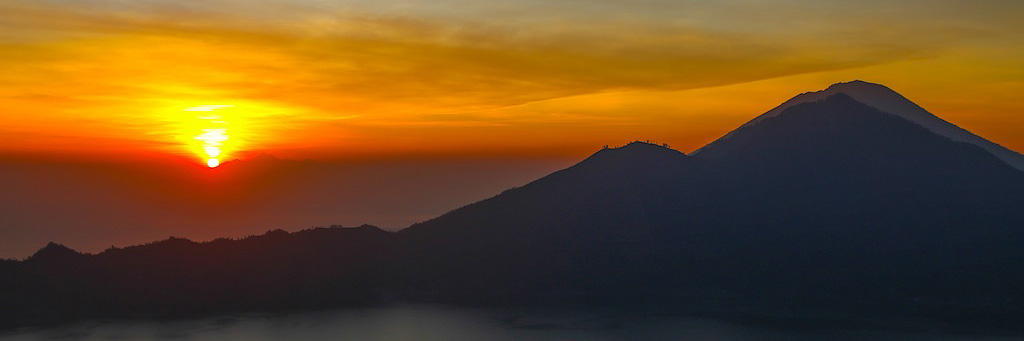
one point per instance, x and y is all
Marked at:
(446, 324)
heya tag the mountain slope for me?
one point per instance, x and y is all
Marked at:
(868, 202)
(889, 101)
(551, 237)
(829, 201)
(611, 177)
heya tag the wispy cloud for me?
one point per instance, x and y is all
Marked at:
(412, 63)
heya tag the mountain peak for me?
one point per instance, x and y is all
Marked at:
(638, 147)
(876, 95)
(264, 157)
(891, 102)
(636, 152)
(53, 251)
(857, 85)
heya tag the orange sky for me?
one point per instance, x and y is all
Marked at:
(410, 79)
(424, 106)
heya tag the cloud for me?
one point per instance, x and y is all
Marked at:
(415, 63)
(470, 61)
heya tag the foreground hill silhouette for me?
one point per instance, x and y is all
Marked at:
(829, 204)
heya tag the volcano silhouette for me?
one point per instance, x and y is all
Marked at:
(851, 198)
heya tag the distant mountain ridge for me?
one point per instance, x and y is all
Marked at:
(827, 205)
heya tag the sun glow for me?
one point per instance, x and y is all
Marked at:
(213, 132)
